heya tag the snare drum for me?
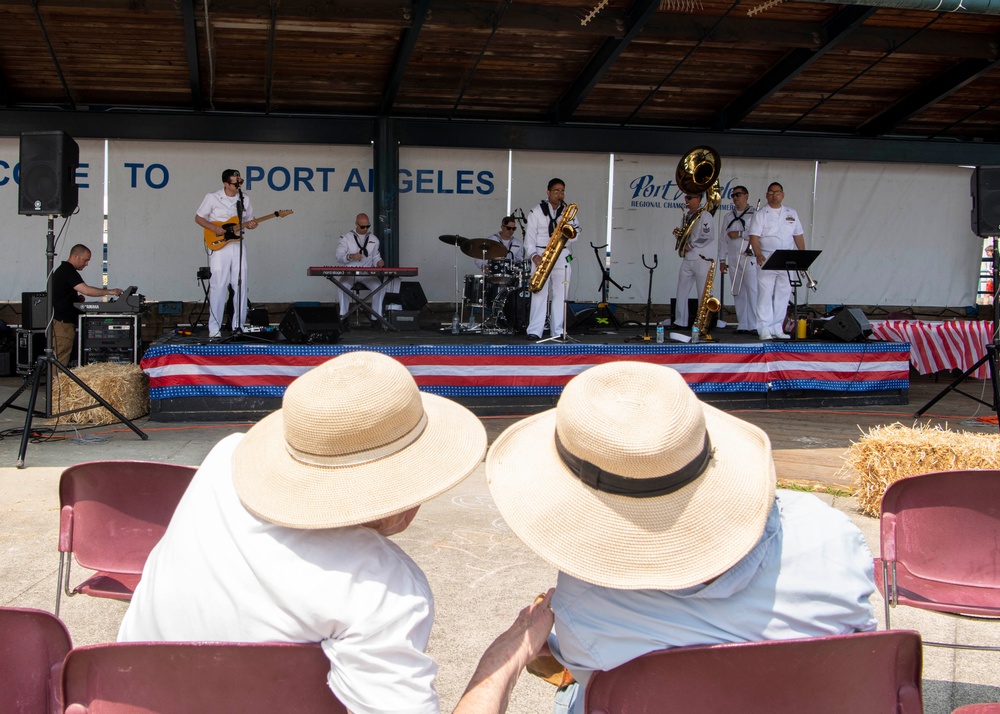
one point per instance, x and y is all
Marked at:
(502, 272)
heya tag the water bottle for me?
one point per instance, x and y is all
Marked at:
(454, 324)
(659, 334)
(694, 333)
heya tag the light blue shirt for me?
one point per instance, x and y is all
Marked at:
(810, 575)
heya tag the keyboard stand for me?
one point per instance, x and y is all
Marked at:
(363, 303)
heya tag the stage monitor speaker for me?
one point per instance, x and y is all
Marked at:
(412, 295)
(47, 174)
(581, 317)
(985, 190)
(311, 324)
(34, 311)
(849, 325)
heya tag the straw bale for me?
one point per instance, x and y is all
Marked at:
(123, 386)
(888, 453)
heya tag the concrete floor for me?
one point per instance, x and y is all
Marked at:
(480, 572)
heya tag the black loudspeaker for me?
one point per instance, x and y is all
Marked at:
(849, 325)
(985, 189)
(47, 175)
(311, 324)
(34, 311)
(412, 295)
(581, 317)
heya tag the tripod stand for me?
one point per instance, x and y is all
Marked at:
(649, 300)
(48, 364)
(989, 356)
(603, 316)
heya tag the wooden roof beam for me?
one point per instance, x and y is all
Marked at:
(52, 53)
(602, 60)
(191, 49)
(404, 50)
(794, 63)
(927, 96)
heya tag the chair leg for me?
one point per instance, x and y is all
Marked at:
(59, 582)
(887, 586)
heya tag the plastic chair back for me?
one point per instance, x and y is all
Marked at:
(863, 673)
(185, 677)
(33, 644)
(112, 513)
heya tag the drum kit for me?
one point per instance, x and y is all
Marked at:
(500, 291)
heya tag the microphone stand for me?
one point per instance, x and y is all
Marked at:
(649, 300)
(239, 305)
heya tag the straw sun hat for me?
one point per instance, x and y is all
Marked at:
(354, 441)
(682, 490)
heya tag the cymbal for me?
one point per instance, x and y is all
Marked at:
(453, 240)
(484, 249)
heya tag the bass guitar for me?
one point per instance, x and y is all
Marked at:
(214, 242)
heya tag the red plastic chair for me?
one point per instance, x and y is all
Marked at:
(863, 673)
(112, 513)
(33, 644)
(939, 535)
(186, 677)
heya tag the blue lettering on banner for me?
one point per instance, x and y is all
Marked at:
(354, 180)
(155, 175)
(4, 179)
(646, 191)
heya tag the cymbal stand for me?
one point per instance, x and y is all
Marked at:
(472, 325)
(989, 356)
(604, 316)
(645, 337)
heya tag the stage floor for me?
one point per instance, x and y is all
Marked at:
(193, 378)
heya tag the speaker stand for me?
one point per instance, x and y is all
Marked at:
(989, 356)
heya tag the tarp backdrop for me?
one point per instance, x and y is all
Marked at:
(891, 234)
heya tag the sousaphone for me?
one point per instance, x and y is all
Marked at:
(697, 173)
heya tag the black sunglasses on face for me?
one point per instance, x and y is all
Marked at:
(365, 226)
(510, 228)
(738, 193)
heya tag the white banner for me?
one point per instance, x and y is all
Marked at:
(23, 239)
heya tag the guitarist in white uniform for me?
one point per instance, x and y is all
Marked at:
(228, 263)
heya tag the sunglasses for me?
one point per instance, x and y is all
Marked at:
(365, 226)
(738, 193)
(510, 228)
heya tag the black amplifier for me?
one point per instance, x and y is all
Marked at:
(30, 345)
(108, 338)
(34, 311)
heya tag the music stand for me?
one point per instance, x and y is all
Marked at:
(792, 261)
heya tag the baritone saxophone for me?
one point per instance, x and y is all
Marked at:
(708, 304)
(557, 241)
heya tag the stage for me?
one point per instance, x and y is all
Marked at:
(194, 379)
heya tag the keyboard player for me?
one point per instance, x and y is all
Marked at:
(359, 249)
(67, 285)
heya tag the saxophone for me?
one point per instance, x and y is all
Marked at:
(557, 241)
(708, 303)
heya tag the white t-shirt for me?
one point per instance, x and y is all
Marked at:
(222, 574)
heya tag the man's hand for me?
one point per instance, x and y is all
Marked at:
(380, 264)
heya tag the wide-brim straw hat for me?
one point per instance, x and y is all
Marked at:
(354, 441)
(685, 489)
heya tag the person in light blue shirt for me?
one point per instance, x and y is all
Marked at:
(661, 515)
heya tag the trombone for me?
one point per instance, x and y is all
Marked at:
(810, 283)
(741, 266)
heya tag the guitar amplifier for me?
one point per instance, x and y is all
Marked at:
(30, 344)
(34, 311)
(108, 338)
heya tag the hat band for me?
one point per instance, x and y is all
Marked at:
(361, 457)
(606, 482)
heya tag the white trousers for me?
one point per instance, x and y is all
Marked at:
(371, 282)
(773, 292)
(693, 274)
(556, 286)
(746, 301)
(225, 266)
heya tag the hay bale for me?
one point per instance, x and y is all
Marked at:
(888, 453)
(123, 386)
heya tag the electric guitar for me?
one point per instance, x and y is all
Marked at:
(214, 242)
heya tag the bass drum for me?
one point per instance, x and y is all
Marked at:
(517, 309)
(475, 292)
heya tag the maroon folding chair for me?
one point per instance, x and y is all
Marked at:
(863, 673)
(33, 644)
(977, 709)
(939, 535)
(186, 677)
(112, 513)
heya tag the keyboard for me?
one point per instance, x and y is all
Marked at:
(128, 301)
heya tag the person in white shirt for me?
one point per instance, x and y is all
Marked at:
(734, 252)
(661, 515)
(228, 263)
(282, 536)
(695, 262)
(774, 227)
(505, 237)
(359, 248)
(542, 222)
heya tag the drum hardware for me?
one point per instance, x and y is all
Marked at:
(483, 249)
(459, 242)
